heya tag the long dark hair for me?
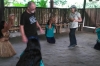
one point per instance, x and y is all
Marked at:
(48, 23)
(1, 27)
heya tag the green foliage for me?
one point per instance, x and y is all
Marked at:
(60, 2)
(25, 5)
(92, 5)
(6, 2)
(42, 3)
(32, 0)
(18, 4)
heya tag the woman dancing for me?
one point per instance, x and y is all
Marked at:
(6, 49)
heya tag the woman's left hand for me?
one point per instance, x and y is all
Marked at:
(42, 31)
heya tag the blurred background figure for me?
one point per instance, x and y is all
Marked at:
(74, 18)
(6, 49)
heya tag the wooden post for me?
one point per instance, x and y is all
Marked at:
(51, 5)
(83, 15)
(1, 9)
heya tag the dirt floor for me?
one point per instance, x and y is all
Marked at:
(59, 54)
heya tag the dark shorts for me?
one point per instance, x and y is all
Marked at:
(51, 40)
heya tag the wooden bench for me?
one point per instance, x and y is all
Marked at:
(13, 29)
(80, 26)
(59, 27)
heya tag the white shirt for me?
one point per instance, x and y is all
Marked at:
(75, 15)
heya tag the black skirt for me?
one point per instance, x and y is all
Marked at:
(51, 40)
(97, 46)
(31, 55)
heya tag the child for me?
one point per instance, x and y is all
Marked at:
(97, 46)
(49, 30)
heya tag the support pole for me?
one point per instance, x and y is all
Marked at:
(83, 13)
(1, 9)
(51, 5)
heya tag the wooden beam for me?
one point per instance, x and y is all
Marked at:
(93, 0)
(1, 3)
(83, 14)
(51, 5)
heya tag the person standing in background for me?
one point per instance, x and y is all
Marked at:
(74, 18)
